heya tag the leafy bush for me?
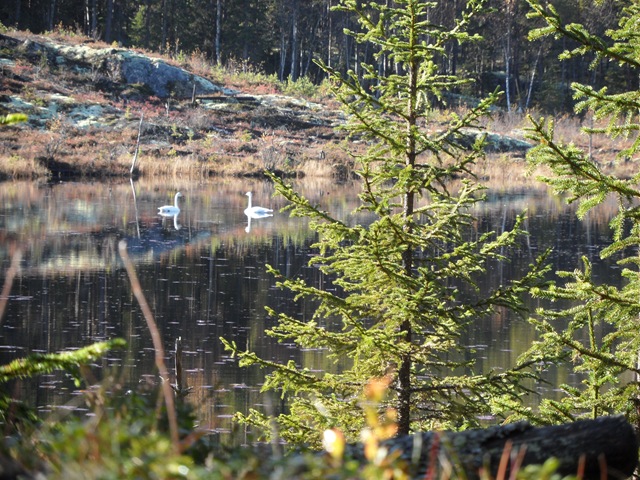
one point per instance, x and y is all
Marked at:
(125, 437)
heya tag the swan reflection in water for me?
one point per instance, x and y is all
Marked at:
(251, 215)
(176, 225)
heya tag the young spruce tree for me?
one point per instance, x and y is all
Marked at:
(410, 280)
(599, 335)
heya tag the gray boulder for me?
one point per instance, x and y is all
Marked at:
(128, 67)
(164, 79)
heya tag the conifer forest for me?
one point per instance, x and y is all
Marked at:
(287, 37)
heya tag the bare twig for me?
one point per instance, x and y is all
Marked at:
(135, 205)
(179, 364)
(8, 281)
(180, 387)
(157, 344)
(135, 155)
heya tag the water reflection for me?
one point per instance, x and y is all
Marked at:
(176, 225)
(205, 278)
(203, 281)
(255, 215)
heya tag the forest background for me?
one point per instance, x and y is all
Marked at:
(283, 38)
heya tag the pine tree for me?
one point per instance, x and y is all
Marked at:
(598, 336)
(409, 282)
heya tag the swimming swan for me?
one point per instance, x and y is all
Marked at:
(249, 211)
(168, 210)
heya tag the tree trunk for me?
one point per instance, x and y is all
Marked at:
(453, 54)
(165, 20)
(119, 20)
(294, 41)
(605, 448)
(147, 24)
(90, 19)
(311, 46)
(283, 54)
(533, 76)
(329, 35)
(507, 80)
(174, 36)
(218, 26)
(16, 17)
(108, 21)
(52, 15)
(404, 371)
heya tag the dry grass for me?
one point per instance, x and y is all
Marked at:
(180, 145)
(568, 129)
(17, 167)
(236, 140)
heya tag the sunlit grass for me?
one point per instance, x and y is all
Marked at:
(181, 141)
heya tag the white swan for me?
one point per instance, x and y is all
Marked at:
(251, 211)
(169, 210)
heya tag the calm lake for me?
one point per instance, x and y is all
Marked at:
(203, 274)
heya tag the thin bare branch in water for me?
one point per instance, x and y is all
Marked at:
(135, 155)
(179, 385)
(8, 280)
(135, 206)
(157, 344)
(181, 389)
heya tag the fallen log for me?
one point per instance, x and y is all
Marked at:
(597, 449)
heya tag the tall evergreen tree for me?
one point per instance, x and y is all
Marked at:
(599, 334)
(410, 281)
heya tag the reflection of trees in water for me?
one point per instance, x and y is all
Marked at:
(208, 279)
(63, 226)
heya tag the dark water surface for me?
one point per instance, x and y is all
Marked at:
(207, 278)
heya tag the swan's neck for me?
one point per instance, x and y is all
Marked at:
(175, 201)
(249, 201)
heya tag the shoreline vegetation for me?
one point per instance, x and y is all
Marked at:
(83, 125)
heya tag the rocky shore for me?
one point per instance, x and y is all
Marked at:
(93, 108)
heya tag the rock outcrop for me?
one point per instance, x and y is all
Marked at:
(128, 67)
(84, 104)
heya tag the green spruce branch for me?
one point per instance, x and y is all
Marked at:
(71, 362)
